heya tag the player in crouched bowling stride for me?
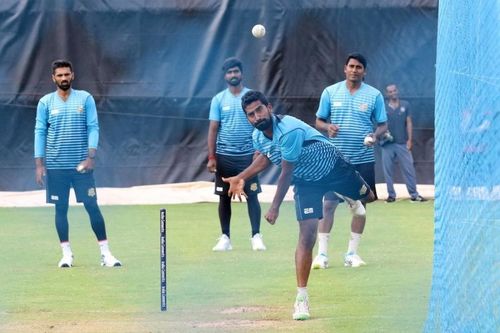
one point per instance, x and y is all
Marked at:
(309, 161)
(66, 137)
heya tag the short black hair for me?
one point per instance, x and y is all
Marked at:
(61, 63)
(252, 96)
(232, 62)
(358, 56)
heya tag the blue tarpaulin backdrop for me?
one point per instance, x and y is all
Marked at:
(153, 67)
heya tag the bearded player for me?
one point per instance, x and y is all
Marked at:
(66, 137)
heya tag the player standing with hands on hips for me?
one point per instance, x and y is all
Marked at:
(314, 165)
(346, 113)
(66, 138)
(230, 151)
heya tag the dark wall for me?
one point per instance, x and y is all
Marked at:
(154, 66)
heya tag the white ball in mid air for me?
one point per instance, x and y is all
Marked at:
(258, 31)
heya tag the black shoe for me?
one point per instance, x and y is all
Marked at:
(418, 199)
(390, 199)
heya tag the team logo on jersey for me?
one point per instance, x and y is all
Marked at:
(363, 190)
(91, 192)
(54, 112)
(80, 109)
(308, 210)
(402, 109)
(226, 108)
(363, 107)
(253, 187)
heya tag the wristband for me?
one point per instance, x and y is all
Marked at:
(211, 157)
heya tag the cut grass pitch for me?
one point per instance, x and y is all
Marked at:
(237, 291)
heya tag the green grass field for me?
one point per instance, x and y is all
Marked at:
(237, 291)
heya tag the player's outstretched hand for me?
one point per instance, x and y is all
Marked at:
(236, 187)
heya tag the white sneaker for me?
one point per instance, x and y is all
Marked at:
(66, 261)
(224, 244)
(257, 243)
(301, 307)
(109, 260)
(353, 260)
(321, 261)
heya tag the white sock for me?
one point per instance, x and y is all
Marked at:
(323, 243)
(66, 249)
(302, 291)
(354, 243)
(103, 245)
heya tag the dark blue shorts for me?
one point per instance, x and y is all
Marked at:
(228, 166)
(367, 171)
(343, 179)
(59, 182)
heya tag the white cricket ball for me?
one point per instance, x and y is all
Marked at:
(80, 168)
(368, 140)
(258, 31)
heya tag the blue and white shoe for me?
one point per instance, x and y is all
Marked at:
(353, 260)
(301, 308)
(320, 262)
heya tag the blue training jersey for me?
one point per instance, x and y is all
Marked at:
(235, 132)
(355, 115)
(296, 142)
(65, 130)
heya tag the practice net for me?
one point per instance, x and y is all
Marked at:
(465, 295)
